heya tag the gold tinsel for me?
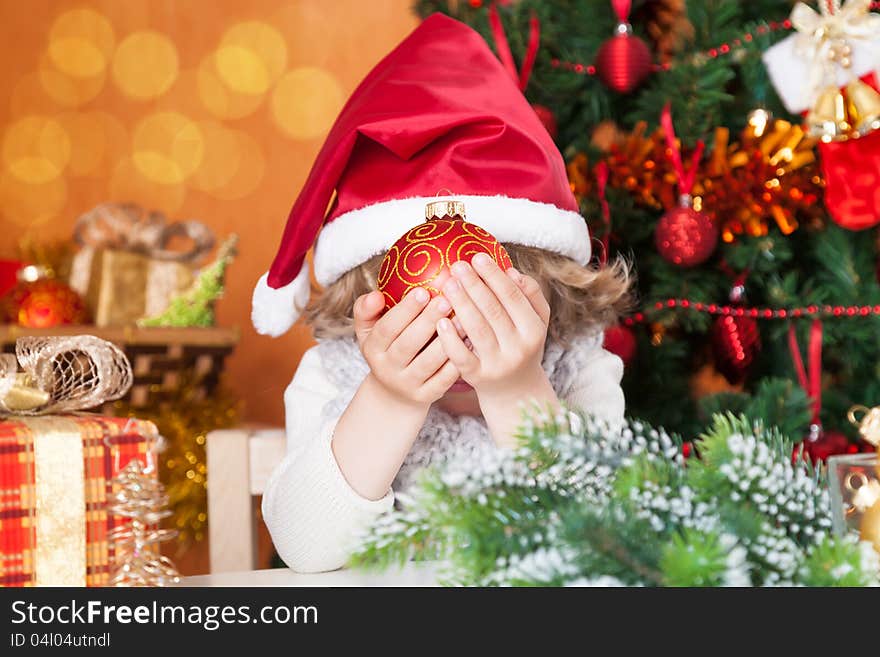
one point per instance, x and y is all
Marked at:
(766, 176)
(184, 421)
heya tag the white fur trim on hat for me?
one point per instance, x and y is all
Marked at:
(354, 237)
(274, 311)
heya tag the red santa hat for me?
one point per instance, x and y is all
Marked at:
(438, 114)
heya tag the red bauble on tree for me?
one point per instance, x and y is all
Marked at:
(735, 343)
(821, 444)
(686, 237)
(621, 341)
(623, 61)
(547, 118)
(422, 257)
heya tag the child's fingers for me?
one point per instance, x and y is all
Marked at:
(426, 364)
(486, 301)
(419, 331)
(392, 323)
(455, 348)
(468, 315)
(532, 291)
(505, 288)
(367, 309)
(444, 378)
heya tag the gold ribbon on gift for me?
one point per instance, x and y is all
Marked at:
(127, 227)
(59, 495)
(61, 374)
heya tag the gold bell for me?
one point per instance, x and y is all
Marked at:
(828, 119)
(863, 106)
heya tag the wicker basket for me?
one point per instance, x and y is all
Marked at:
(160, 357)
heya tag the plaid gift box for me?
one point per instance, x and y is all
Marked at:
(54, 480)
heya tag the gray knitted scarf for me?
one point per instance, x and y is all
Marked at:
(442, 432)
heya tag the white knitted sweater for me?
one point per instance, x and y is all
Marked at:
(309, 507)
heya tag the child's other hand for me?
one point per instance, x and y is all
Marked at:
(394, 345)
(505, 316)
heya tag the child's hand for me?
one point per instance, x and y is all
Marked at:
(394, 345)
(505, 315)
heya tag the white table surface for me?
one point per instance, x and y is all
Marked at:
(421, 574)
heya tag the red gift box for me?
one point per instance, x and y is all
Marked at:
(55, 474)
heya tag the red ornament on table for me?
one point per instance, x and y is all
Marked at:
(684, 236)
(42, 302)
(621, 341)
(623, 61)
(422, 257)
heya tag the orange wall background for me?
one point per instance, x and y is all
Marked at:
(204, 109)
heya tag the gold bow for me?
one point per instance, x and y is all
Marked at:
(62, 374)
(128, 227)
(824, 38)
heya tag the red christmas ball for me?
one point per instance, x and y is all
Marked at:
(623, 61)
(735, 343)
(685, 237)
(825, 444)
(621, 341)
(547, 118)
(43, 303)
(422, 257)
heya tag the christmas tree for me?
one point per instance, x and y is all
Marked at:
(758, 291)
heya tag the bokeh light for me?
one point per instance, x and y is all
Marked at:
(81, 43)
(220, 100)
(36, 149)
(66, 90)
(167, 147)
(145, 65)
(29, 205)
(129, 185)
(305, 102)
(251, 57)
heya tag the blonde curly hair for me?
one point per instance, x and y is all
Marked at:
(582, 299)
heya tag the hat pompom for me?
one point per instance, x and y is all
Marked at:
(275, 310)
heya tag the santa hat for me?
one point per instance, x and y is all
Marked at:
(438, 114)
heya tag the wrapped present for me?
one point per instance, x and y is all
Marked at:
(55, 469)
(125, 268)
(831, 47)
(55, 473)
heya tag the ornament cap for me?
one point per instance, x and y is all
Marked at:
(444, 208)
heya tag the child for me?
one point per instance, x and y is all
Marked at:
(383, 395)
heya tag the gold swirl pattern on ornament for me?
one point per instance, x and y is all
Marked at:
(465, 247)
(477, 231)
(388, 266)
(430, 230)
(416, 259)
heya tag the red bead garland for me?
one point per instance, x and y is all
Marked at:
(758, 313)
(713, 53)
